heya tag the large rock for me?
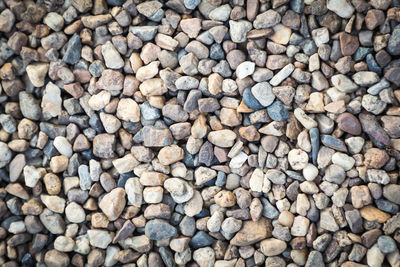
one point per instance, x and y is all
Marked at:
(252, 232)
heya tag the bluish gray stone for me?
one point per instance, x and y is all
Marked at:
(373, 65)
(309, 47)
(149, 112)
(96, 68)
(361, 53)
(314, 138)
(201, 239)
(167, 256)
(73, 52)
(334, 143)
(387, 206)
(297, 6)
(278, 112)
(378, 87)
(158, 229)
(269, 211)
(386, 244)
(221, 179)
(84, 177)
(315, 259)
(8, 123)
(394, 42)
(191, 4)
(216, 52)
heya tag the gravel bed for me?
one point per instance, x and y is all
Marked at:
(200, 133)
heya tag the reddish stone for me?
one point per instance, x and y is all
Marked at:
(349, 123)
(348, 43)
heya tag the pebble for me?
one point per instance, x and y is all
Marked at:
(263, 93)
(37, 73)
(159, 229)
(272, 247)
(349, 123)
(99, 238)
(267, 19)
(341, 7)
(343, 83)
(113, 203)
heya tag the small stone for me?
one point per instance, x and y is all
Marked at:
(112, 58)
(349, 123)
(159, 229)
(245, 69)
(180, 190)
(390, 192)
(341, 7)
(298, 159)
(222, 138)
(7, 20)
(386, 244)
(360, 196)
(128, 110)
(370, 213)
(225, 199)
(375, 158)
(343, 83)
(267, 19)
(272, 247)
(113, 203)
(263, 93)
(378, 176)
(6, 154)
(37, 73)
(103, 145)
(99, 238)
(238, 30)
(73, 52)
(63, 146)
(252, 232)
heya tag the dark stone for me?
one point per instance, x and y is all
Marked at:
(187, 226)
(297, 6)
(158, 229)
(393, 75)
(73, 52)
(315, 259)
(373, 65)
(277, 111)
(369, 238)
(361, 53)
(116, 2)
(201, 239)
(309, 47)
(354, 220)
(191, 100)
(375, 132)
(387, 206)
(334, 143)
(167, 256)
(394, 42)
(206, 154)
(314, 138)
(208, 105)
(216, 52)
(269, 211)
